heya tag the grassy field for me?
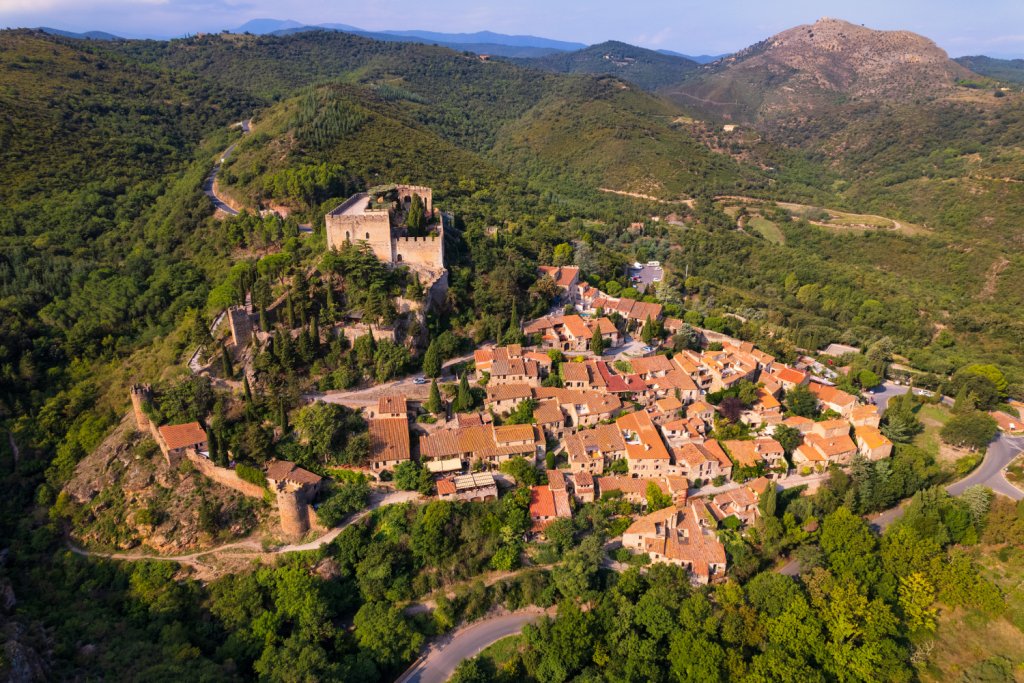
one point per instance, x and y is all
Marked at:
(768, 230)
(933, 418)
(503, 650)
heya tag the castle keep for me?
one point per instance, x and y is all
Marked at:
(377, 220)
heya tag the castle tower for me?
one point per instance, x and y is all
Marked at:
(294, 514)
(140, 393)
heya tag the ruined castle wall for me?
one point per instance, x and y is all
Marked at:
(242, 325)
(140, 393)
(420, 251)
(437, 292)
(426, 195)
(223, 476)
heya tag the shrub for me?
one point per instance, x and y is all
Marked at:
(251, 475)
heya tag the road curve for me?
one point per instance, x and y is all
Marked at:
(438, 665)
(208, 183)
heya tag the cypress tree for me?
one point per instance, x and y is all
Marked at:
(435, 404)
(768, 501)
(497, 338)
(961, 400)
(465, 397)
(314, 337)
(282, 416)
(647, 335)
(211, 441)
(264, 325)
(514, 325)
(248, 391)
(228, 370)
(432, 360)
(330, 295)
(290, 312)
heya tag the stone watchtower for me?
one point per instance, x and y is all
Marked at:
(141, 393)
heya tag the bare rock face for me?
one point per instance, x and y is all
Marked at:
(25, 664)
(328, 570)
(138, 478)
(821, 65)
(7, 598)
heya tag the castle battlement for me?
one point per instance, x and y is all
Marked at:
(361, 219)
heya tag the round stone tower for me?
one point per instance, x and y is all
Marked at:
(294, 516)
(140, 393)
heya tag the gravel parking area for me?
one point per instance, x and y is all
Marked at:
(647, 275)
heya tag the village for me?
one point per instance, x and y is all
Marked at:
(598, 413)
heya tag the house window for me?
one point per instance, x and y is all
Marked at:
(367, 235)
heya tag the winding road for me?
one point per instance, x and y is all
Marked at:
(442, 658)
(208, 184)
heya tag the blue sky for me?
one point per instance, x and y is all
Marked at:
(984, 26)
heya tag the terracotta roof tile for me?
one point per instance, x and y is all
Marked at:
(183, 436)
(392, 404)
(389, 439)
(283, 470)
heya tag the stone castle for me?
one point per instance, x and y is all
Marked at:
(379, 224)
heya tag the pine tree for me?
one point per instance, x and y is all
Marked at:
(432, 360)
(264, 325)
(435, 405)
(282, 416)
(465, 397)
(229, 371)
(314, 337)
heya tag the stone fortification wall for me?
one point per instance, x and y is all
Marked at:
(140, 393)
(313, 522)
(224, 476)
(294, 512)
(373, 227)
(242, 325)
(419, 251)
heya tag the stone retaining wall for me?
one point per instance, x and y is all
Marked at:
(224, 476)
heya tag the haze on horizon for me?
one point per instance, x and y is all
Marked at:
(988, 27)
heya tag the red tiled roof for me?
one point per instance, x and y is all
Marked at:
(391, 404)
(446, 487)
(651, 445)
(283, 470)
(183, 436)
(389, 439)
(583, 479)
(542, 503)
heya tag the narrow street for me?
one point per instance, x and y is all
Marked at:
(208, 183)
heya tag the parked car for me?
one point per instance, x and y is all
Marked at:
(638, 266)
(419, 380)
(657, 279)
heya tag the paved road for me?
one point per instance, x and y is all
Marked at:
(369, 396)
(208, 184)
(438, 665)
(883, 392)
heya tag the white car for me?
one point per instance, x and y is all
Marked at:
(657, 279)
(656, 264)
(638, 266)
(419, 380)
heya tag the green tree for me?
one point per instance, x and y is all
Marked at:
(347, 498)
(433, 532)
(800, 400)
(416, 221)
(282, 416)
(563, 255)
(867, 379)
(768, 501)
(597, 343)
(432, 361)
(435, 405)
(560, 532)
(647, 335)
(465, 397)
(972, 431)
(656, 500)
(321, 426)
(789, 437)
(993, 374)
(247, 391)
(382, 631)
(963, 403)
(522, 414)
(358, 449)
(226, 366)
(549, 460)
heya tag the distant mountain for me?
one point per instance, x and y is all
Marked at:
(649, 69)
(816, 67)
(489, 37)
(1000, 69)
(261, 26)
(490, 49)
(95, 35)
(700, 59)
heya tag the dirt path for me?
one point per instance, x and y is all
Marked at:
(992, 278)
(645, 196)
(251, 544)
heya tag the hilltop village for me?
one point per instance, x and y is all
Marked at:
(592, 402)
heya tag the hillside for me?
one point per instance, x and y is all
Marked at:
(647, 68)
(813, 67)
(490, 49)
(1010, 70)
(572, 132)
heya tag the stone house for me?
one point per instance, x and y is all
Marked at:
(514, 371)
(179, 438)
(682, 535)
(645, 451)
(872, 443)
(477, 487)
(865, 416)
(568, 280)
(830, 398)
(389, 443)
(830, 428)
(591, 450)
